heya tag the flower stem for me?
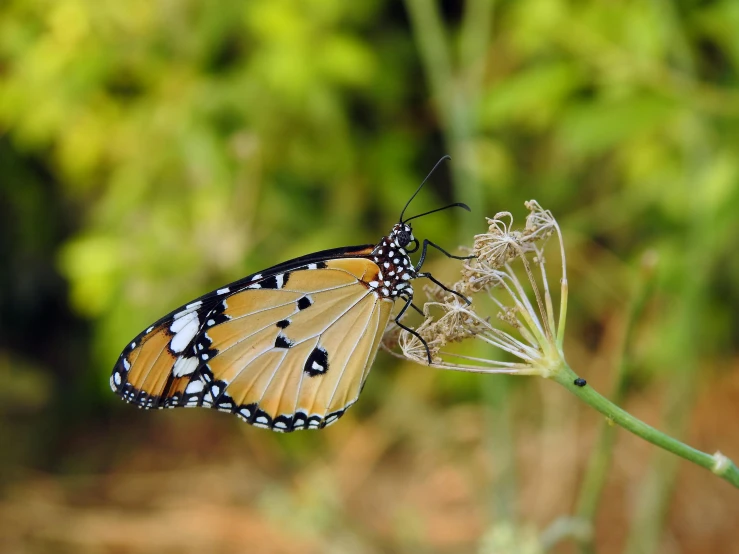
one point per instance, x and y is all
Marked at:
(718, 463)
(601, 457)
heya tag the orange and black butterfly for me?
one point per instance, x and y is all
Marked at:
(287, 348)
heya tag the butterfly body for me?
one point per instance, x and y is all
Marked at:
(288, 348)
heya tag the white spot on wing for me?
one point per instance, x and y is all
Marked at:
(182, 322)
(280, 280)
(257, 276)
(185, 329)
(194, 387)
(189, 309)
(126, 364)
(184, 366)
(225, 290)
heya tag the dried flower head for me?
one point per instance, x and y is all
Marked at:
(524, 327)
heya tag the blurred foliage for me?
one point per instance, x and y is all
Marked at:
(153, 150)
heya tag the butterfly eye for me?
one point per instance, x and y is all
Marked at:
(403, 238)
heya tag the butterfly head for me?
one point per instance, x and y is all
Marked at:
(402, 235)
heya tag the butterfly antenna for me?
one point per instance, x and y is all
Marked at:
(455, 205)
(443, 159)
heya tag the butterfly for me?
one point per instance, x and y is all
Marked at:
(287, 348)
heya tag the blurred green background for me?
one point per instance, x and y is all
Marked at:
(151, 151)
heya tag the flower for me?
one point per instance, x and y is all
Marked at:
(527, 329)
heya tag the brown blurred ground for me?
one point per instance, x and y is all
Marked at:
(196, 481)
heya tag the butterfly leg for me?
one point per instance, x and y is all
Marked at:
(408, 297)
(408, 303)
(419, 310)
(443, 286)
(426, 244)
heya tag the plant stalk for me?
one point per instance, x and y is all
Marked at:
(717, 463)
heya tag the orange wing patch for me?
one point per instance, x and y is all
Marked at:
(287, 351)
(360, 268)
(147, 369)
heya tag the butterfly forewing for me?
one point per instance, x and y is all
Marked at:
(286, 349)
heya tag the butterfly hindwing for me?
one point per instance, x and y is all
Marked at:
(285, 349)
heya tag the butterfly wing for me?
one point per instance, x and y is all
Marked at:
(286, 349)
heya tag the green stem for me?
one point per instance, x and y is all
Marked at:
(656, 489)
(597, 471)
(457, 87)
(718, 464)
(428, 31)
(600, 459)
(500, 441)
